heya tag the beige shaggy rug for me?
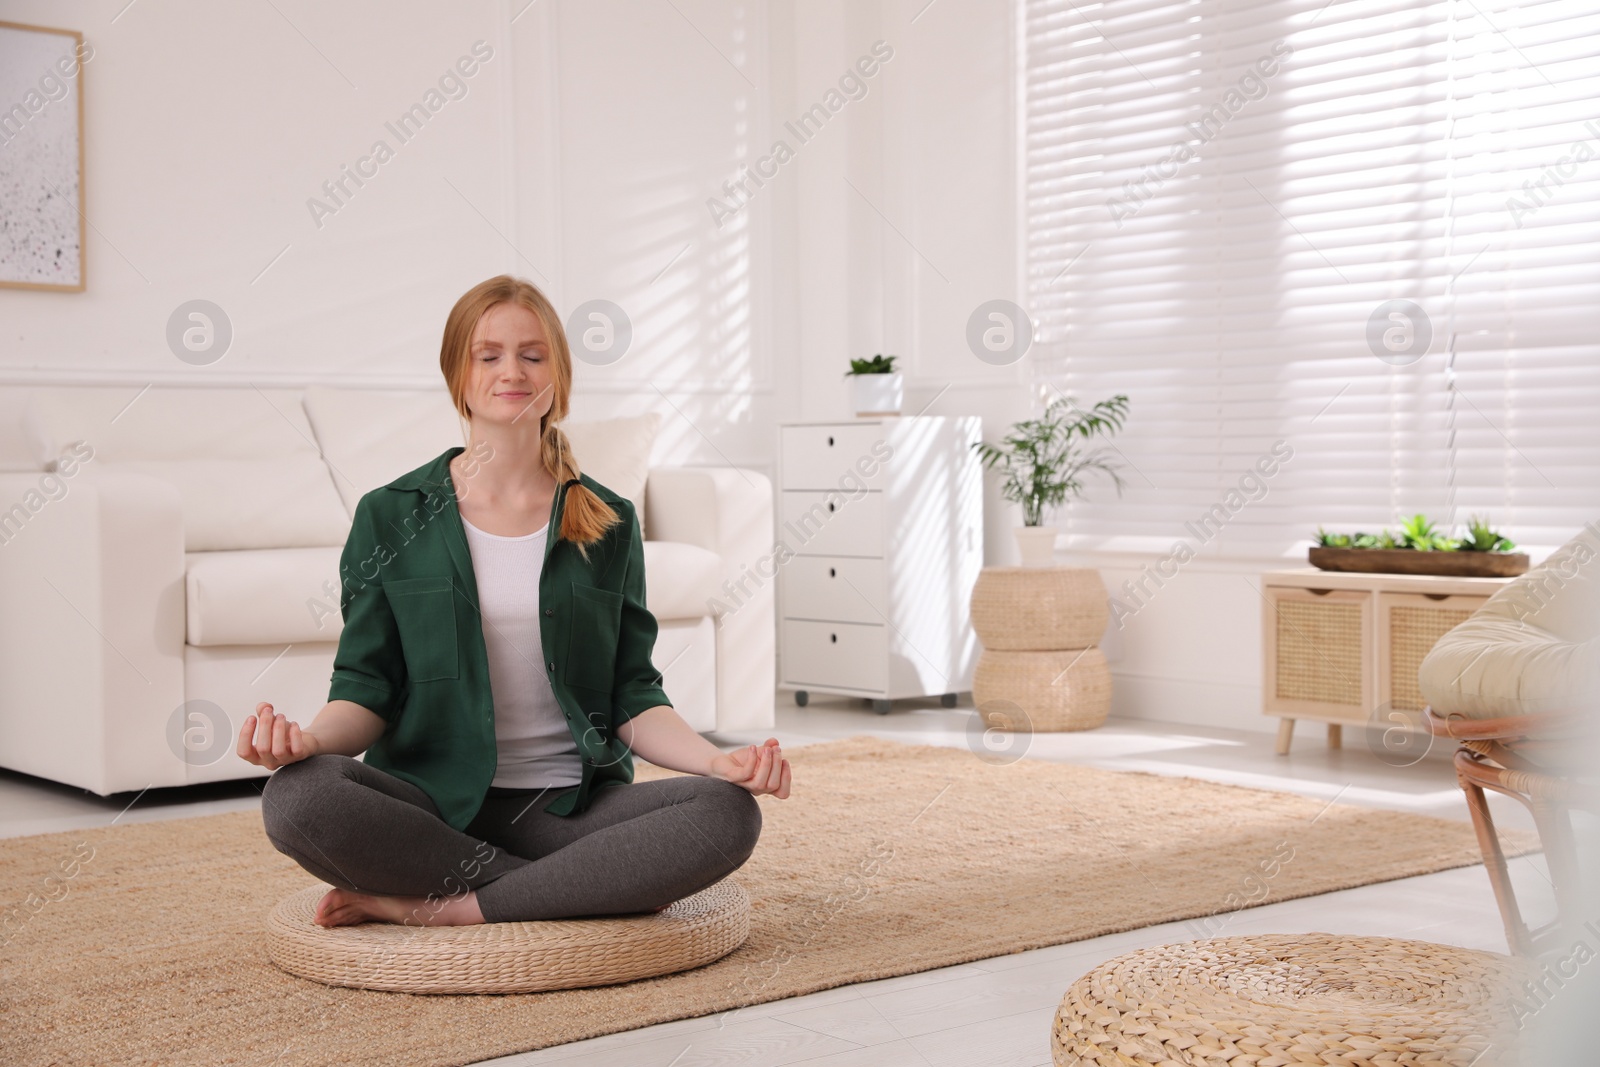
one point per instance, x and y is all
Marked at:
(887, 859)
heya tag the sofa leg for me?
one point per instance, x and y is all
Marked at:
(1285, 735)
(1335, 736)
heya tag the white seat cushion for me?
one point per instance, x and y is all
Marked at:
(1489, 667)
(280, 596)
(680, 579)
(1533, 648)
(271, 596)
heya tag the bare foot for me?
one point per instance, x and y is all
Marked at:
(342, 907)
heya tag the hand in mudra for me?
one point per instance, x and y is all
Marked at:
(270, 740)
(759, 768)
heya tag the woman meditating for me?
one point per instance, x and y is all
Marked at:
(495, 668)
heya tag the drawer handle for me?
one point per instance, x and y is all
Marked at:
(1437, 596)
(830, 505)
(832, 573)
(1319, 592)
(834, 638)
(830, 440)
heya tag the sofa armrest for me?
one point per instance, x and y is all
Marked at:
(91, 627)
(728, 510)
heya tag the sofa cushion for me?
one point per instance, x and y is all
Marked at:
(616, 453)
(680, 579)
(283, 596)
(372, 436)
(252, 504)
(275, 596)
(1533, 648)
(244, 461)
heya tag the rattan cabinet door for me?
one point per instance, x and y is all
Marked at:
(1317, 653)
(1408, 626)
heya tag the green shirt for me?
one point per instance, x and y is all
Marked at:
(412, 650)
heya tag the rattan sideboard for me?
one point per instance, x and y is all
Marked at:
(1344, 648)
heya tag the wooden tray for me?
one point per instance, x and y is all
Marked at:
(1411, 561)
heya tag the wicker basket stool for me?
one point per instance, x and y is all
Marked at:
(511, 957)
(1293, 999)
(1039, 609)
(1039, 627)
(1058, 690)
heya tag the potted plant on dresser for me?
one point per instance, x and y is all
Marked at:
(876, 388)
(1043, 462)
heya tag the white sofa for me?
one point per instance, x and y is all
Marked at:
(169, 557)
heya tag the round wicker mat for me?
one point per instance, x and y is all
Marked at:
(512, 957)
(1292, 999)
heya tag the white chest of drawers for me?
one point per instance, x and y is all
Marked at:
(880, 534)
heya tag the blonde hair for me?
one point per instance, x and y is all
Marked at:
(585, 518)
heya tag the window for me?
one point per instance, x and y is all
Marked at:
(1367, 229)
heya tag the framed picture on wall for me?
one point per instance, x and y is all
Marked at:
(41, 157)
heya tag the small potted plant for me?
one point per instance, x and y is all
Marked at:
(876, 387)
(1420, 548)
(1044, 460)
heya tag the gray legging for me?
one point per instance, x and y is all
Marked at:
(635, 848)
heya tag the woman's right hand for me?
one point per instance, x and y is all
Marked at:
(270, 740)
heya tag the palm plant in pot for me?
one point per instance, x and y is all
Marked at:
(1043, 462)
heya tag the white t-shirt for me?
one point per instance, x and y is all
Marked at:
(534, 743)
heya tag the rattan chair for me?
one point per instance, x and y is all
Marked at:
(1517, 685)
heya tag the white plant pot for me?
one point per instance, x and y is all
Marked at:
(877, 394)
(1037, 545)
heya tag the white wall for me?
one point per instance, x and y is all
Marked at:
(208, 129)
(583, 157)
(580, 157)
(1190, 651)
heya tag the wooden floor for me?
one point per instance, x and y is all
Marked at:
(998, 1011)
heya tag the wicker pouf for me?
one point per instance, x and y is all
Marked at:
(1058, 690)
(1292, 999)
(514, 957)
(1039, 627)
(1020, 609)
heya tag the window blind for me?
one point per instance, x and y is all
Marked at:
(1366, 229)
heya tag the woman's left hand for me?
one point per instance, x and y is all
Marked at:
(759, 768)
